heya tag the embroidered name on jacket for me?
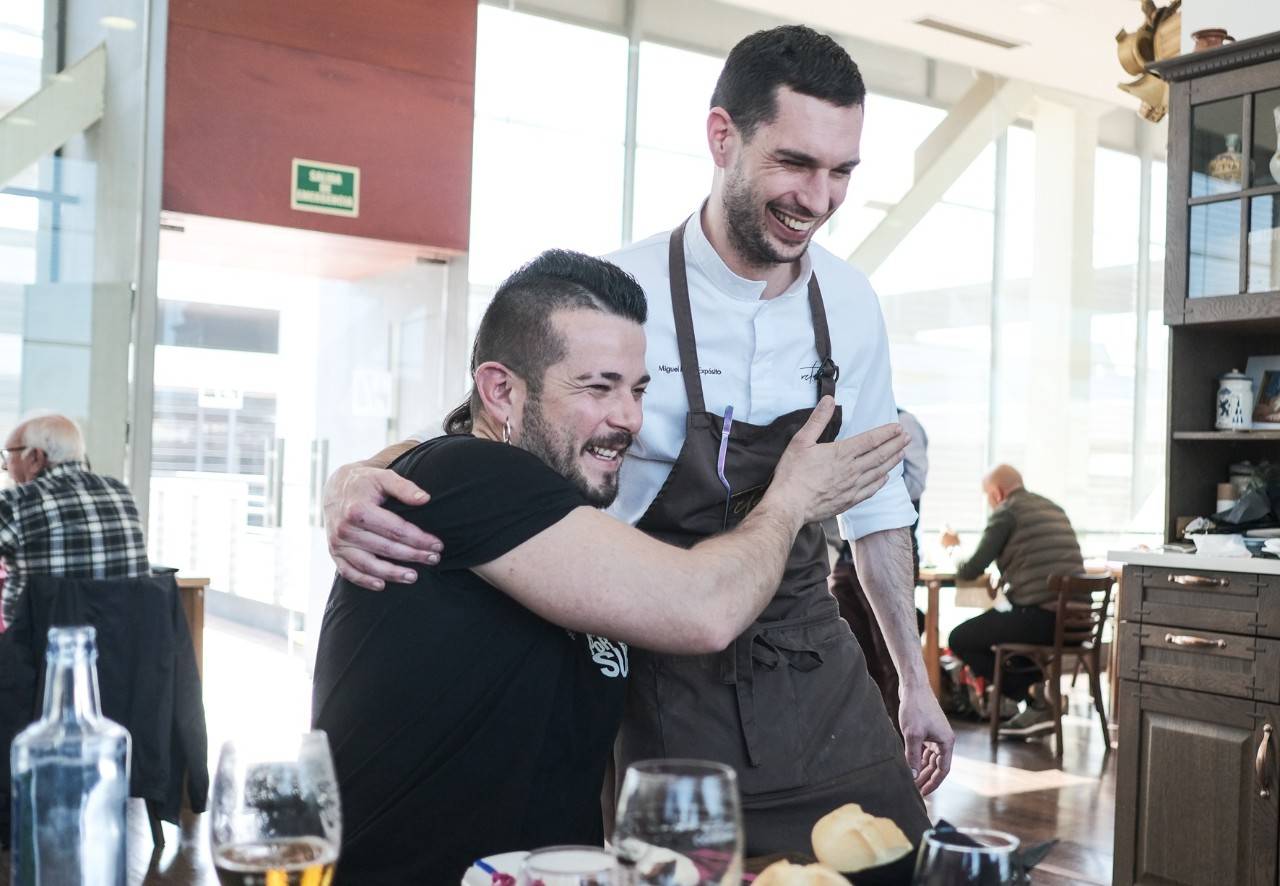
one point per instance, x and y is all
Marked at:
(668, 368)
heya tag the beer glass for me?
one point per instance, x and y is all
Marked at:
(569, 866)
(967, 857)
(679, 821)
(275, 814)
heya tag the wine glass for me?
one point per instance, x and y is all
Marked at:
(275, 812)
(569, 866)
(680, 823)
(968, 856)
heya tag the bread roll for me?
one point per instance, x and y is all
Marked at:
(784, 873)
(851, 840)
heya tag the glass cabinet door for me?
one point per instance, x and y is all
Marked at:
(1233, 237)
(1217, 164)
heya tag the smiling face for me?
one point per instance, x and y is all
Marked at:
(783, 183)
(587, 412)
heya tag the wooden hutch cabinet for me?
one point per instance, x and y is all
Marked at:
(1198, 779)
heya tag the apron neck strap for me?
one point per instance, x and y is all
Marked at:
(828, 372)
(687, 343)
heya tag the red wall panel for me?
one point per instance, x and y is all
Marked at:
(238, 110)
(436, 38)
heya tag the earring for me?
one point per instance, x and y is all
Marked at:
(506, 431)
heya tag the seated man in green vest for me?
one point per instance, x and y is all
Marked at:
(1029, 538)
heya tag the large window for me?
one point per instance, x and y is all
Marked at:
(21, 57)
(673, 168)
(550, 125)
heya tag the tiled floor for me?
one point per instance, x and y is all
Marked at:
(255, 682)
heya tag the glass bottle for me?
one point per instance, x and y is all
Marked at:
(70, 776)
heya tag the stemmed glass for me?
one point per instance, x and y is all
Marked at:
(680, 823)
(569, 866)
(967, 857)
(275, 813)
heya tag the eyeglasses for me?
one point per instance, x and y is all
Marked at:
(4, 455)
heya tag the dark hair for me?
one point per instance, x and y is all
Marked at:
(516, 330)
(793, 56)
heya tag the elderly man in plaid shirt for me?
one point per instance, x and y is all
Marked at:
(60, 518)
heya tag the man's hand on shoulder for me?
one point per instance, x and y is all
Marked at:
(363, 535)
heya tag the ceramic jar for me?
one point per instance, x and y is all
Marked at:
(1233, 407)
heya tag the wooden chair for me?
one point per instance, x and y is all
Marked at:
(1083, 604)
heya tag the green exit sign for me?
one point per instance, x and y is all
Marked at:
(325, 187)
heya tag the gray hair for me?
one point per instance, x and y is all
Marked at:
(58, 436)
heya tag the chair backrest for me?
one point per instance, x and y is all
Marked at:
(147, 676)
(1083, 605)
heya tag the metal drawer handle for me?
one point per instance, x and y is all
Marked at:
(1260, 762)
(1199, 581)
(1194, 642)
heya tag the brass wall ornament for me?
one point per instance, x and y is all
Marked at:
(1158, 38)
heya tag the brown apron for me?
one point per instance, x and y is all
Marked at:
(789, 705)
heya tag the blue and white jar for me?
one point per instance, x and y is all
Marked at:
(1234, 408)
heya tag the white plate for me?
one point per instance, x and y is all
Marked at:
(1271, 546)
(507, 863)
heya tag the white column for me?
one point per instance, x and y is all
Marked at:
(1059, 310)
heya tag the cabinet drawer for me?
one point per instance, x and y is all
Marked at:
(1234, 602)
(1206, 661)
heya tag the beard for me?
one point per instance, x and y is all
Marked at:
(746, 229)
(560, 453)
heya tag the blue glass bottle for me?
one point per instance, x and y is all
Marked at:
(70, 777)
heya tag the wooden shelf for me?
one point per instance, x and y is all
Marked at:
(1235, 436)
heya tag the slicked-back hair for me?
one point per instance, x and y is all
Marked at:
(793, 56)
(517, 331)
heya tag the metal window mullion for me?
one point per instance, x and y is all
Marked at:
(146, 268)
(629, 142)
(1246, 156)
(999, 215)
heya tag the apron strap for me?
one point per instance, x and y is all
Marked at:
(685, 341)
(829, 372)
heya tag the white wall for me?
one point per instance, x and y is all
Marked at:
(1242, 18)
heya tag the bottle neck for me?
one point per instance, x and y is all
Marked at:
(71, 689)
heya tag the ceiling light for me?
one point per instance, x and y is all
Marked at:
(118, 23)
(968, 33)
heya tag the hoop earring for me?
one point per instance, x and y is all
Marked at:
(506, 431)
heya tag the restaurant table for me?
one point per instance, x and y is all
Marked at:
(934, 580)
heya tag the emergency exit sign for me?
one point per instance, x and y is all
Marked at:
(325, 187)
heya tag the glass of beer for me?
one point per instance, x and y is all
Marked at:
(679, 821)
(275, 814)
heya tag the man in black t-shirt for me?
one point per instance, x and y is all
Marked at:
(473, 712)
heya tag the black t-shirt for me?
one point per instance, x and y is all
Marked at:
(462, 724)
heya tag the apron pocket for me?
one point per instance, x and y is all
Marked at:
(704, 716)
(844, 722)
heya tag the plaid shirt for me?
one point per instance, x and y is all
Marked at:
(69, 522)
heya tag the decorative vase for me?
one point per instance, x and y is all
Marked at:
(1228, 165)
(1210, 38)
(1274, 165)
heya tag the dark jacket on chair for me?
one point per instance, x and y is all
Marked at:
(147, 675)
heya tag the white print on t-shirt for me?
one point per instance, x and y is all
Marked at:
(612, 657)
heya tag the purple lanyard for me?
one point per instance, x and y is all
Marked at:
(724, 450)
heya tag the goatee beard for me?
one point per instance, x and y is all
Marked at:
(746, 229)
(562, 457)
